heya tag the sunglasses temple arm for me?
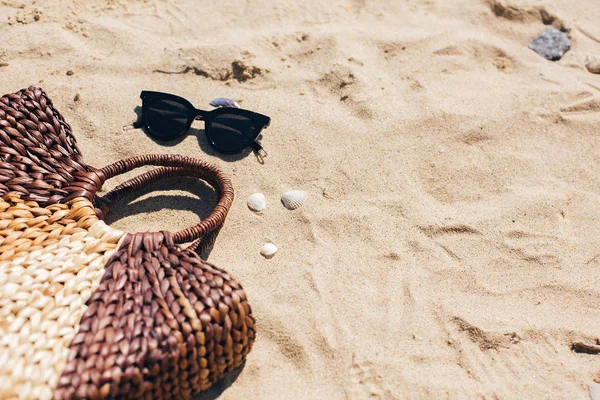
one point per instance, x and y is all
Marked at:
(256, 146)
(133, 125)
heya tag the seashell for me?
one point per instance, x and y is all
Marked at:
(268, 250)
(224, 102)
(593, 64)
(293, 199)
(256, 202)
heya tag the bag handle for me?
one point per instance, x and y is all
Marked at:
(203, 234)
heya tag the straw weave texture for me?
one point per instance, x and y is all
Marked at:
(163, 324)
(87, 311)
(39, 157)
(51, 261)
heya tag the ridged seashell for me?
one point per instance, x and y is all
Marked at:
(224, 102)
(256, 202)
(293, 199)
(593, 64)
(268, 250)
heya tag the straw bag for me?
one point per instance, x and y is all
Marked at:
(88, 311)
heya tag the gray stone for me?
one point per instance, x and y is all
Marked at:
(594, 391)
(552, 44)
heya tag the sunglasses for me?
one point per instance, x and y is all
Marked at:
(228, 129)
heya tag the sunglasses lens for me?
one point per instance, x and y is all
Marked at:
(230, 133)
(166, 119)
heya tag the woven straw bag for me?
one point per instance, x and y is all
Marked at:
(88, 311)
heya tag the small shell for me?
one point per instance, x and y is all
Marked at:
(268, 250)
(224, 102)
(293, 199)
(593, 64)
(256, 202)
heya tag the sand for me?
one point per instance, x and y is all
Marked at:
(450, 247)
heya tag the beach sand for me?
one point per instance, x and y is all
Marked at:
(450, 245)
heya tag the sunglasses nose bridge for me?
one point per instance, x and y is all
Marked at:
(199, 115)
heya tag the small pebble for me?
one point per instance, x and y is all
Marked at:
(268, 250)
(593, 64)
(594, 391)
(551, 44)
(69, 72)
(77, 97)
(3, 64)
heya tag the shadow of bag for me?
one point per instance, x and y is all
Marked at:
(88, 311)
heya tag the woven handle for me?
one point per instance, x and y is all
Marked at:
(203, 234)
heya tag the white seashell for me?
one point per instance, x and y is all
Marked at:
(256, 202)
(268, 250)
(224, 102)
(593, 64)
(293, 199)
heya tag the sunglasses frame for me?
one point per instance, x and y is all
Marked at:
(259, 121)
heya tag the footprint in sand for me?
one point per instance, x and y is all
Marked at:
(273, 330)
(366, 382)
(488, 356)
(582, 108)
(475, 54)
(156, 16)
(515, 12)
(532, 248)
(343, 82)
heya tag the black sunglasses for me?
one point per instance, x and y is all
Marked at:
(228, 129)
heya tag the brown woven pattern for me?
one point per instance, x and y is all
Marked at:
(204, 233)
(40, 161)
(154, 321)
(51, 261)
(39, 158)
(162, 325)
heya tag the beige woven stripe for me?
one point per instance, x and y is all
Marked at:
(51, 261)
